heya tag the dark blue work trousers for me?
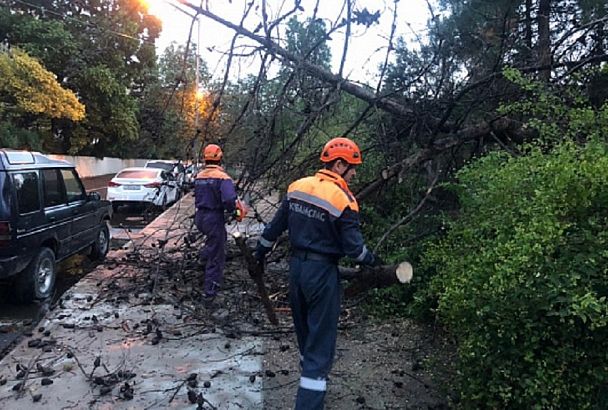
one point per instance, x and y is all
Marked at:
(211, 224)
(314, 296)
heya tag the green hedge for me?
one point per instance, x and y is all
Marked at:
(522, 279)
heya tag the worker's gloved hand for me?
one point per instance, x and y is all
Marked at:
(240, 210)
(260, 252)
(377, 261)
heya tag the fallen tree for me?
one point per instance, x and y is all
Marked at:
(364, 278)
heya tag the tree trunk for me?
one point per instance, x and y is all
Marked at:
(365, 278)
(544, 41)
(528, 29)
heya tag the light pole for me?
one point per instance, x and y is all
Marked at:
(197, 95)
(197, 75)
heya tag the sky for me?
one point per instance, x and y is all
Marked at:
(367, 48)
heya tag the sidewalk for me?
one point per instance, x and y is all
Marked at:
(132, 334)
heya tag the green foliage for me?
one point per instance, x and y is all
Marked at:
(406, 243)
(27, 87)
(556, 115)
(39, 38)
(112, 114)
(19, 138)
(109, 41)
(522, 278)
(390, 302)
(309, 41)
(170, 106)
(173, 69)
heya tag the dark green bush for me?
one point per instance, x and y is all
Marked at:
(12, 136)
(522, 279)
(406, 243)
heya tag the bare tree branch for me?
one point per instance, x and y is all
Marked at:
(363, 93)
(463, 136)
(410, 214)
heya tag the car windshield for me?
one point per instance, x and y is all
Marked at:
(137, 174)
(162, 165)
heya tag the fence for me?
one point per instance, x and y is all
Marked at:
(91, 166)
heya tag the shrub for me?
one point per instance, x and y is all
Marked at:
(522, 279)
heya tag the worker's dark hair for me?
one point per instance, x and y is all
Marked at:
(330, 165)
(210, 162)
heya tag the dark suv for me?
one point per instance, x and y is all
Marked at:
(45, 216)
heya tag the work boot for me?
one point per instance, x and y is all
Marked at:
(209, 303)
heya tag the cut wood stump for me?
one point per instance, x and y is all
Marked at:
(365, 277)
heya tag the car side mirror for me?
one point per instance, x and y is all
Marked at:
(94, 196)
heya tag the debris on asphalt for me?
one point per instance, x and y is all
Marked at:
(135, 330)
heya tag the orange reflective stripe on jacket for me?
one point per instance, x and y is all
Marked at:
(322, 216)
(327, 190)
(213, 171)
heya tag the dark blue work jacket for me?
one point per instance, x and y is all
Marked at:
(214, 190)
(322, 216)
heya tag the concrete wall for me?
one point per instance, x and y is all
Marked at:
(91, 166)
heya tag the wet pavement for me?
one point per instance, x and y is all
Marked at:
(17, 319)
(127, 336)
(129, 221)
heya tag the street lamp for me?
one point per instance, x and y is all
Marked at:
(197, 75)
(198, 94)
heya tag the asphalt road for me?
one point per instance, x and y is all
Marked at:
(98, 184)
(131, 219)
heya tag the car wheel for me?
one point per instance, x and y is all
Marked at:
(37, 280)
(101, 246)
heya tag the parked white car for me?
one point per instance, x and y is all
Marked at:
(176, 168)
(143, 186)
(191, 172)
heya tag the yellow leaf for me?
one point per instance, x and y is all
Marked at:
(34, 89)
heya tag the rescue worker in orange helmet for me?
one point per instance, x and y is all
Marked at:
(214, 194)
(322, 216)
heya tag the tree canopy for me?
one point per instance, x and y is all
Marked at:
(27, 87)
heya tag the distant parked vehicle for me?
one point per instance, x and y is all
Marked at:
(176, 168)
(191, 172)
(45, 217)
(147, 186)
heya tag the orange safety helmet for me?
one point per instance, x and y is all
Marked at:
(213, 152)
(342, 148)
